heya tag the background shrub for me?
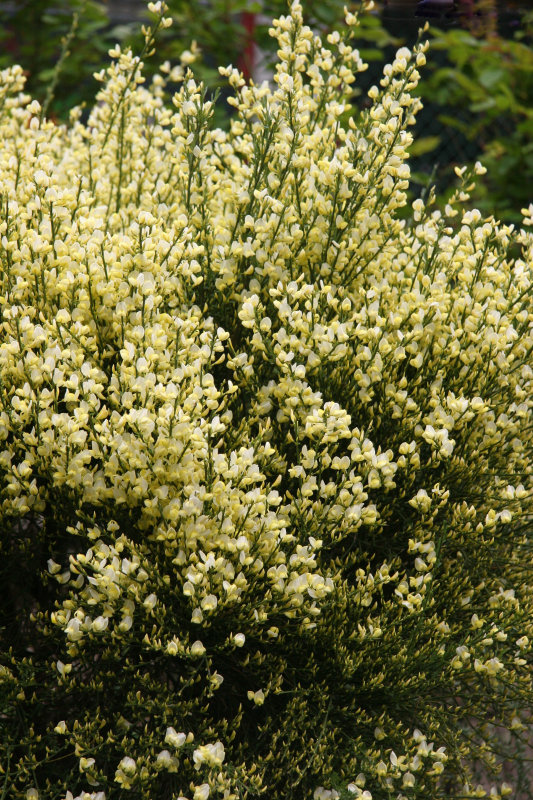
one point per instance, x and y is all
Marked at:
(484, 92)
(266, 446)
(34, 33)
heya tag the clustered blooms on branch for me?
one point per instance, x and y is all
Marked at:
(276, 436)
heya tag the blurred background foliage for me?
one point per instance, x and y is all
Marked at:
(482, 91)
(477, 87)
(32, 33)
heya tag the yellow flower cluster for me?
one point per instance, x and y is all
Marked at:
(277, 437)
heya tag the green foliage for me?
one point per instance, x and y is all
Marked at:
(487, 85)
(33, 34)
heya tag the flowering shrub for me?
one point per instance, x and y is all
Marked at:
(265, 447)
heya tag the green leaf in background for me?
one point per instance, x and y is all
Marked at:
(490, 76)
(426, 144)
(484, 105)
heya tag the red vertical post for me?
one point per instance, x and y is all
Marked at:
(246, 63)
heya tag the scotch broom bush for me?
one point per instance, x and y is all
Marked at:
(266, 447)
